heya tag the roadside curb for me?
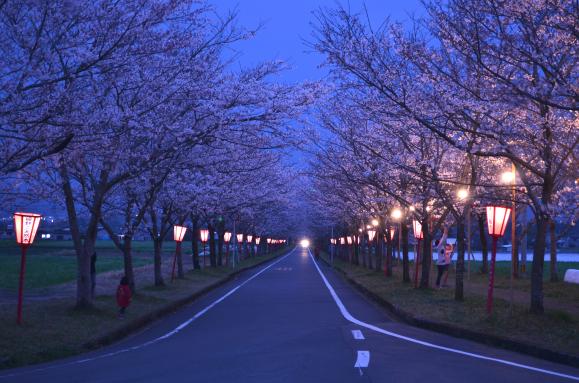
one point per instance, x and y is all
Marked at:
(142, 321)
(492, 340)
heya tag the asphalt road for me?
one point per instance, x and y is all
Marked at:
(291, 321)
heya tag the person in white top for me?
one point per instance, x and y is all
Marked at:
(440, 251)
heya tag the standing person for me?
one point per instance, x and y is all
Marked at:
(440, 251)
(124, 295)
(93, 273)
(448, 253)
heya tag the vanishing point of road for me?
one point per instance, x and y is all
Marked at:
(291, 320)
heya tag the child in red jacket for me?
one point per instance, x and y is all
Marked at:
(123, 296)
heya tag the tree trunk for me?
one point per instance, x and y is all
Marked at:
(379, 249)
(128, 261)
(158, 248)
(553, 248)
(220, 233)
(483, 243)
(389, 249)
(405, 261)
(195, 242)
(356, 259)
(537, 268)
(426, 255)
(460, 241)
(83, 278)
(212, 255)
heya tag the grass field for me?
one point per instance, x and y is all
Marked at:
(51, 263)
(557, 329)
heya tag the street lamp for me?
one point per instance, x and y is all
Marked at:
(204, 233)
(396, 214)
(418, 234)
(375, 222)
(497, 218)
(462, 194)
(25, 226)
(178, 235)
(227, 239)
(371, 235)
(510, 178)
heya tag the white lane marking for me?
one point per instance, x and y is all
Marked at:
(164, 336)
(363, 359)
(351, 319)
(357, 334)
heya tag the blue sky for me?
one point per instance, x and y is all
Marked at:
(287, 24)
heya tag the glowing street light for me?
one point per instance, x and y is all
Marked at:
(396, 214)
(497, 218)
(178, 235)
(510, 178)
(25, 226)
(375, 222)
(462, 194)
(305, 243)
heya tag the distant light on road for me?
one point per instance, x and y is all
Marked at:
(305, 243)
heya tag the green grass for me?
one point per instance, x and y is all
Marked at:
(556, 329)
(53, 329)
(9, 247)
(49, 270)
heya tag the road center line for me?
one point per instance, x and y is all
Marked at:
(357, 334)
(363, 359)
(346, 314)
(164, 336)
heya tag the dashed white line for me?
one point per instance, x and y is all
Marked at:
(346, 314)
(363, 359)
(357, 334)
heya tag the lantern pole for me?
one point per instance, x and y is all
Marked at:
(21, 283)
(492, 276)
(416, 258)
(177, 251)
(234, 237)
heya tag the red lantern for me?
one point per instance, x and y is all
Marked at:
(417, 228)
(497, 218)
(239, 238)
(227, 236)
(179, 233)
(349, 240)
(204, 233)
(371, 235)
(249, 238)
(25, 227)
(418, 234)
(269, 240)
(392, 231)
(257, 240)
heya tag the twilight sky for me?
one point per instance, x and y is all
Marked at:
(287, 24)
